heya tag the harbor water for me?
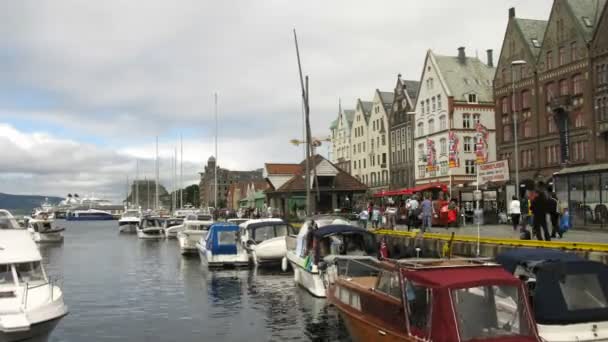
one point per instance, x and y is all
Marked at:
(121, 288)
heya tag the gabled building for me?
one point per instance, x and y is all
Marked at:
(359, 139)
(377, 128)
(455, 94)
(401, 144)
(340, 138)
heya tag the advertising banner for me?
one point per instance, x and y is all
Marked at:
(453, 157)
(481, 143)
(431, 156)
(497, 171)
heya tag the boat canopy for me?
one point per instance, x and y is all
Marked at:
(17, 246)
(519, 256)
(338, 229)
(460, 277)
(222, 239)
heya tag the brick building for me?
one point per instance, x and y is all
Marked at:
(225, 178)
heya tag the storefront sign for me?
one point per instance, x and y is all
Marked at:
(490, 195)
(497, 171)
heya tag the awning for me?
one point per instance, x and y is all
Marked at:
(584, 168)
(411, 191)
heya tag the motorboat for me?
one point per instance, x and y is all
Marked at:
(449, 300)
(237, 221)
(195, 228)
(184, 212)
(318, 238)
(264, 240)
(31, 304)
(221, 247)
(568, 294)
(150, 228)
(129, 221)
(171, 226)
(43, 229)
(88, 215)
(8, 221)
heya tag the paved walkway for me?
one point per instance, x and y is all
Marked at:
(506, 231)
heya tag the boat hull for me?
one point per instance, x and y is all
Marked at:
(37, 332)
(361, 331)
(223, 260)
(128, 227)
(587, 332)
(56, 237)
(269, 252)
(309, 280)
(188, 241)
(142, 234)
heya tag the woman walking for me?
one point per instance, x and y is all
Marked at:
(515, 210)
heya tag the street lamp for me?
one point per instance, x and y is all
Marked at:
(516, 150)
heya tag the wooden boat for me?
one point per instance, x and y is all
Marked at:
(436, 300)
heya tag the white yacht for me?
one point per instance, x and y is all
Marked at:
(172, 226)
(31, 305)
(320, 237)
(150, 228)
(8, 221)
(129, 221)
(264, 240)
(43, 229)
(221, 247)
(194, 229)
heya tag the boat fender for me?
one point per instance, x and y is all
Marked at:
(284, 264)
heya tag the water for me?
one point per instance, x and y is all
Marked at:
(121, 288)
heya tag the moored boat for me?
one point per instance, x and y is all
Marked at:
(129, 221)
(88, 215)
(195, 228)
(31, 305)
(318, 238)
(172, 226)
(8, 221)
(429, 300)
(43, 229)
(264, 240)
(150, 228)
(222, 248)
(568, 294)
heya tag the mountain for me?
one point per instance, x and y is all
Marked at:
(24, 203)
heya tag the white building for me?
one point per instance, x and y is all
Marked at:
(340, 139)
(378, 164)
(359, 139)
(455, 93)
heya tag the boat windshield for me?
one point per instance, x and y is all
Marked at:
(583, 292)
(491, 311)
(6, 275)
(131, 213)
(29, 272)
(204, 218)
(271, 231)
(7, 222)
(197, 227)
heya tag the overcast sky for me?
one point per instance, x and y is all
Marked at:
(85, 86)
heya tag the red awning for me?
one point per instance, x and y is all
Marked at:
(411, 191)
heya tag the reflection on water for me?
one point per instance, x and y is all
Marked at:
(121, 288)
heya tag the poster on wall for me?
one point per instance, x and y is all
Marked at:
(482, 137)
(431, 156)
(497, 171)
(453, 158)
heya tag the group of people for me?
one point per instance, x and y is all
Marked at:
(536, 209)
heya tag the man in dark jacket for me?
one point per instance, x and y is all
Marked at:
(554, 213)
(540, 209)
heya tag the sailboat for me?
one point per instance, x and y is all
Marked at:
(152, 227)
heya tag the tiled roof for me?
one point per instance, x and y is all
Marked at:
(586, 12)
(473, 76)
(387, 99)
(367, 106)
(532, 30)
(283, 169)
(315, 160)
(412, 88)
(350, 116)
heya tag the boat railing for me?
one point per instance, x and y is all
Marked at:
(444, 263)
(26, 290)
(350, 267)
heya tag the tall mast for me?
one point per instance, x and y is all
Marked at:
(181, 173)
(127, 198)
(307, 124)
(137, 183)
(156, 181)
(216, 157)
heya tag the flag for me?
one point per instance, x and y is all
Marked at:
(481, 143)
(454, 159)
(431, 155)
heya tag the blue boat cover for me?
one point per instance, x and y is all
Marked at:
(338, 229)
(510, 259)
(222, 239)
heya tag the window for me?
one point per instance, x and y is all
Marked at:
(577, 83)
(579, 120)
(562, 55)
(421, 170)
(551, 125)
(29, 272)
(421, 151)
(552, 154)
(409, 137)
(469, 167)
(472, 98)
(389, 284)
(467, 144)
(466, 120)
(434, 103)
(354, 149)
(507, 134)
(525, 99)
(422, 107)
(476, 118)
(403, 137)
(384, 158)
(526, 159)
(583, 292)
(527, 129)
(550, 91)
(443, 146)
(431, 126)
(536, 43)
(573, 53)
(364, 146)
(364, 166)
(443, 123)
(443, 168)
(438, 101)
(419, 304)
(504, 105)
(549, 60)
(393, 141)
(420, 129)
(563, 87)
(428, 105)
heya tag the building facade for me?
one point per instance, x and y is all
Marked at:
(378, 164)
(340, 138)
(401, 144)
(455, 95)
(225, 178)
(359, 139)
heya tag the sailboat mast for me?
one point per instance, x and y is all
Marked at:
(181, 173)
(156, 180)
(127, 198)
(216, 156)
(307, 124)
(137, 182)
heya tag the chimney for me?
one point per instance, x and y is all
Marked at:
(490, 58)
(512, 12)
(461, 55)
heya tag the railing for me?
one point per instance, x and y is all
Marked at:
(24, 298)
(350, 267)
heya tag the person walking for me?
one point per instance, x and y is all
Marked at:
(391, 215)
(363, 218)
(427, 214)
(553, 208)
(515, 211)
(539, 207)
(375, 217)
(412, 212)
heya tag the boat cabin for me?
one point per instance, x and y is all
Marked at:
(172, 222)
(222, 239)
(258, 231)
(42, 225)
(429, 300)
(20, 264)
(8, 221)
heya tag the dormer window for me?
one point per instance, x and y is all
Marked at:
(587, 22)
(535, 43)
(472, 98)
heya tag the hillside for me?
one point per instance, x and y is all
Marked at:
(24, 203)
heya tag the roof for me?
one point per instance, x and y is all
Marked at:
(510, 259)
(264, 223)
(589, 9)
(459, 277)
(17, 245)
(334, 124)
(532, 29)
(349, 114)
(411, 87)
(338, 229)
(387, 99)
(473, 76)
(283, 169)
(366, 106)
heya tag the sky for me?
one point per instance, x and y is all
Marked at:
(87, 86)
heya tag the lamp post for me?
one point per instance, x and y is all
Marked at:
(516, 150)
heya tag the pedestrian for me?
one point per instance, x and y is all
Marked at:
(375, 217)
(453, 213)
(363, 218)
(427, 214)
(391, 215)
(515, 210)
(412, 212)
(554, 213)
(539, 206)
